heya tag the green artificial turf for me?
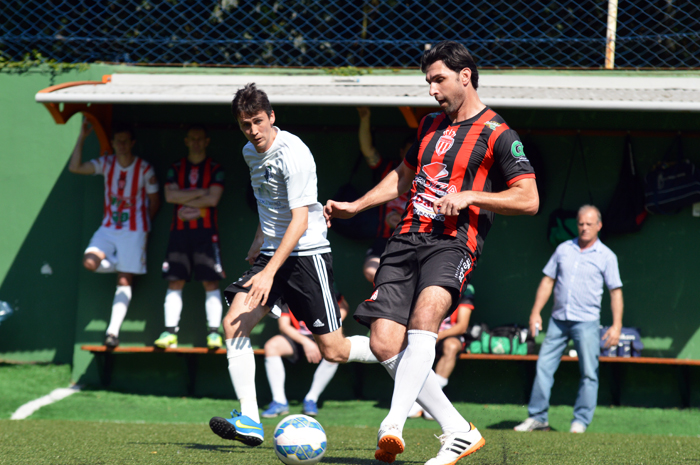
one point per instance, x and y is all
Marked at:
(106, 427)
(97, 405)
(81, 442)
(21, 383)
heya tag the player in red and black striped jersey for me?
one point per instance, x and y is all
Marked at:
(452, 170)
(194, 185)
(389, 215)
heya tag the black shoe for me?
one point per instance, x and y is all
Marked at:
(111, 341)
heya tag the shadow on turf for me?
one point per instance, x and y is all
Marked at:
(209, 447)
(507, 425)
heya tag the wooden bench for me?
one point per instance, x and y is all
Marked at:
(104, 358)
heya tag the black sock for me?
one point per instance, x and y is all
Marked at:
(171, 329)
(213, 330)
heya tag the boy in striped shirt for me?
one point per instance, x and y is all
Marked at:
(130, 201)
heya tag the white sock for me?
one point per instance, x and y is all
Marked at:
(441, 381)
(212, 304)
(276, 376)
(106, 266)
(172, 307)
(120, 305)
(241, 368)
(411, 373)
(360, 351)
(433, 400)
(322, 376)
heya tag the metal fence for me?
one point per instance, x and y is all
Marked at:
(373, 33)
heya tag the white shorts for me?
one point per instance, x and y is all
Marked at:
(126, 248)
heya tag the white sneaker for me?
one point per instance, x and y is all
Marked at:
(416, 411)
(577, 427)
(532, 425)
(389, 444)
(456, 446)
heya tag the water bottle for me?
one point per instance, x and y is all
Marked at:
(5, 310)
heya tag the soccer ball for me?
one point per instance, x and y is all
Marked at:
(299, 439)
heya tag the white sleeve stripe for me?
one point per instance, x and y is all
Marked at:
(325, 289)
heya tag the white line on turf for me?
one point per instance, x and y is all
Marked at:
(54, 396)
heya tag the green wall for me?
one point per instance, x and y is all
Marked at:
(50, 215)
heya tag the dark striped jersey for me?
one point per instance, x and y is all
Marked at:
(479, 154)
(203, 175)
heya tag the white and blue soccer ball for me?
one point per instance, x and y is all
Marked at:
(299, 439)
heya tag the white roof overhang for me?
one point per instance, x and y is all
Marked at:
(508, 90)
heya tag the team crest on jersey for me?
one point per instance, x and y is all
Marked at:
(194, 175)
(435, 170)
(492, 124)
(121, 183)
(445, 142)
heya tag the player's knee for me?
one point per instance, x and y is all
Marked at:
(91, 261)
(451, 347)
(381, 348)
(176, 285)
(370, 271)
(333, 354)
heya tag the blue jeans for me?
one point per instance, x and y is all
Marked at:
(586, 337)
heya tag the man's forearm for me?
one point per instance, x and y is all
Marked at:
(208, 200)
(291, 237)
(521, 198)
(544, 291)
(394, 184)
(181, 196)
(617, 306)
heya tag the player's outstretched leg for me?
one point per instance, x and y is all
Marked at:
(455, 446)
(238, 428)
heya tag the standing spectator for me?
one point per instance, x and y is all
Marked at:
(390, 213)
(576, 271)
(194, 185)
(296, 341)
(450, 343)
(130, 201)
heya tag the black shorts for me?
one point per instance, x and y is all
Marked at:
(378, 247)
(297, 348)
(410, 263)
(193, 250)
(305, 284)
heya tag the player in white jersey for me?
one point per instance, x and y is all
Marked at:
(130, 201)
(290, 258)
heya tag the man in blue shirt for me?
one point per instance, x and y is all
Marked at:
(576, 271)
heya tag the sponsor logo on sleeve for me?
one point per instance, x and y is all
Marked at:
(517, 150)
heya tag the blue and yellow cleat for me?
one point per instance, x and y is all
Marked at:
(238, 428)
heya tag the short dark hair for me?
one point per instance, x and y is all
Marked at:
(123, 127)
(249, 101)
(197, 127)
(455, 56)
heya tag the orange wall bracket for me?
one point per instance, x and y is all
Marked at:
(413, 115)
(99, 115)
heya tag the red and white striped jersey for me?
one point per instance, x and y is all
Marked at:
(125, 199)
